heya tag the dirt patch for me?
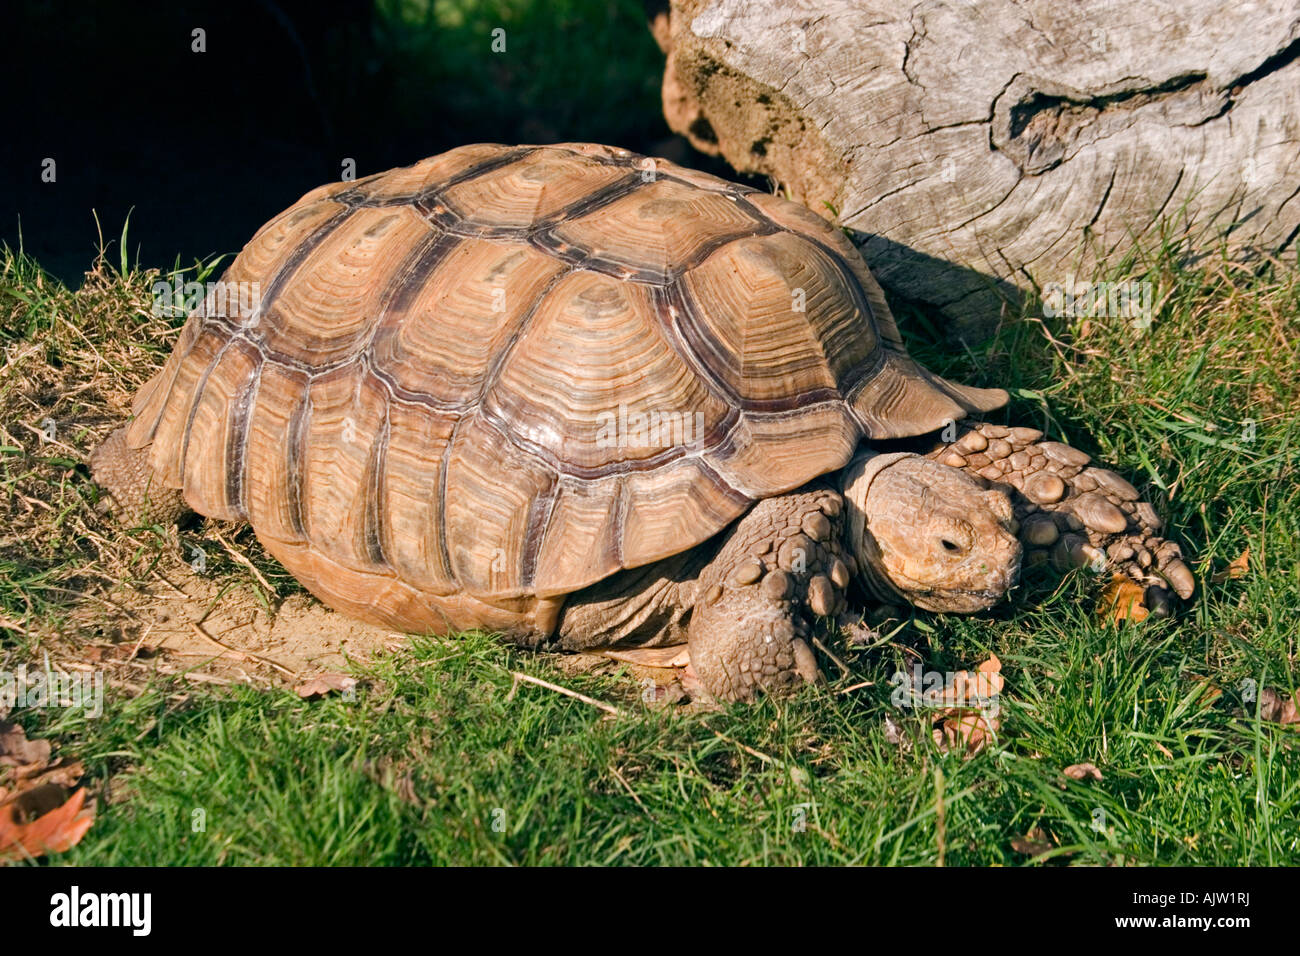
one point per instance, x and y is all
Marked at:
(216, 628)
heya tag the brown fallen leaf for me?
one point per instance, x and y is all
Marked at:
(1274, 706)
(32, 802)
(986, 682)
(17, 751)
(1034, 843)
(1210, 693)
(1239, 568)
(23, 836)
(37, 814)
(1082, 771)
(326, 683)
(961, 725)
(1122, 600)
(967, 728)
(63, 772)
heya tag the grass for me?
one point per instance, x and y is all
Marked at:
(441, 758)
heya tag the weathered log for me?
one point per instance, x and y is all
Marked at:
(979, 148)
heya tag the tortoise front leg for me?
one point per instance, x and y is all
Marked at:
(1069, 512)
(781, 567)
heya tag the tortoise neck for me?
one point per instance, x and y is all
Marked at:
(855, 486)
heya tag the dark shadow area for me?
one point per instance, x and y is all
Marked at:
(969, 317)
(203, 146)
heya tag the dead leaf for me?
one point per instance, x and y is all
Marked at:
(326, 683)
(893, 733)
(959, 724)
(968, 728)
(967, 687)
(17, 751)
(32, 802)
(63, 771)
(1239, 568)
(1034, 843)
(1211, 693)
(1082, 771)
(1276, 708)
(27, 762)
(23, 836)
(1122, 600)
(33, 818)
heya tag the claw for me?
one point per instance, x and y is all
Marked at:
(1179, 577)
(1157, 601)
(805, 662)
(1099, 514)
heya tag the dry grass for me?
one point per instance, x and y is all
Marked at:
(72, 361)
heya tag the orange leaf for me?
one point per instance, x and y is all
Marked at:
(970, 729)
(1081, 771)
(1122, 600)
(53, 832)
(960, 725)
(967, 688)
(1239, 568)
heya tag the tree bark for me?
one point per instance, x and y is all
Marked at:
(980, 148)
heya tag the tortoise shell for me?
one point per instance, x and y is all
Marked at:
(463, 389)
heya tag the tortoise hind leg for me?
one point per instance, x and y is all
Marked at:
(780, 568)
(125, 473)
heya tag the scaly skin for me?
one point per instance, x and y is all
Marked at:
(137, 496)
(781, 567)
(1070, 513)
(906, 527)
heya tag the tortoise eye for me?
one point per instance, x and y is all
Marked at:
(955, 537)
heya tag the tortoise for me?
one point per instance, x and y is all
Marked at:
(588, 399)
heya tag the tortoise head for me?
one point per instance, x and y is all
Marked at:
(929, 534)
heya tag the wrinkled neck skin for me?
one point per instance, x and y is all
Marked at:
(855, 485)
(928, 534)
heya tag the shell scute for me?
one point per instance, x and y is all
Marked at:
(538, 186)
(456, 316)
(593, 384)
(658, 231)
